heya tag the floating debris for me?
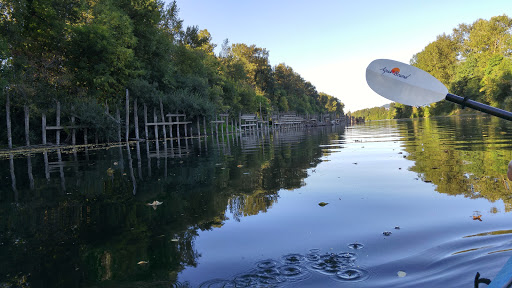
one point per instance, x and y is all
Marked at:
(142, 262)
(110, 172)
(240, 166)
(401, 274)
(154, 204)
(322, 204)
(397, 227)
(386, 233)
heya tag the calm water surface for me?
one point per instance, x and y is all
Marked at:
(244, 211)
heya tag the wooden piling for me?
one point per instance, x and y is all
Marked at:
(8, 119)
(57, 123)
(127, 108)
(43, 129)
(136, 119)
(27, 125)
(146, 122)
(73, 131)
(118, 118)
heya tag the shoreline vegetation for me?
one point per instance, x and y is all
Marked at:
(79, 58)
(473, 61)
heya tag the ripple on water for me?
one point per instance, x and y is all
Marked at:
(352, 274)
(355, 246)
(294, 273)
(275, 273)
(293, 258)
(265, 264)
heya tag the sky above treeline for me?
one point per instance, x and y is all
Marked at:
(331, 42)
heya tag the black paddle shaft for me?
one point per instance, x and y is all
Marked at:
(465, 102)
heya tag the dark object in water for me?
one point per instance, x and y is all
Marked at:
(322, 204)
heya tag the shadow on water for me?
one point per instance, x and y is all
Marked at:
(78, 218)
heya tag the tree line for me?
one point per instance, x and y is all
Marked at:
(473, 61)
(85, 53)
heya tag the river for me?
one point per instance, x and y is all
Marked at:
(407, 203)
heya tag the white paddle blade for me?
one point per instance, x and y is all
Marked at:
(404, 83)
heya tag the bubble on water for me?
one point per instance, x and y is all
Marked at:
(352, 274)
(218, 283)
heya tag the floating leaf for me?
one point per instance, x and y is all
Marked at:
(322, 204)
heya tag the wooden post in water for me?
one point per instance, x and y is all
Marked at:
(127, 124)
(57, 123)
(73, 131)
(8, 120)
(136, 119)
(155, 120)
(43, 127)
(118, 118)
(163, 120)
(204, 125)
(146, 122)
(216, 126)
(27, 124)
(198, 129)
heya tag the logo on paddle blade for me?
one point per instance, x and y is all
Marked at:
(395, 71)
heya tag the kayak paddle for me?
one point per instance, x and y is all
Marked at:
(406, 84)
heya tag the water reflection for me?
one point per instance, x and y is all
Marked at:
(80, 217)
(462, 155)
(74, 217)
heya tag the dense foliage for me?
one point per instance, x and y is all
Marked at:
(90, 51)
(473, 61)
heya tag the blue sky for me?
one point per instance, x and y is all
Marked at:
(330, 43)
